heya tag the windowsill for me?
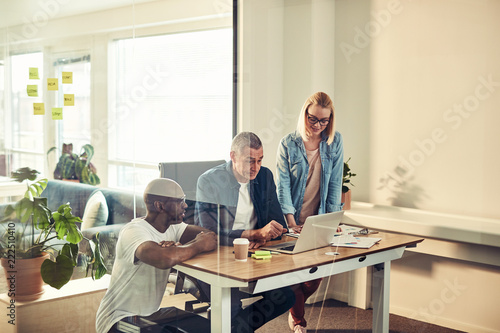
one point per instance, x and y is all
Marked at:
(448, 227)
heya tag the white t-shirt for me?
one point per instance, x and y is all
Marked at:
(135, 288)
(245, 212)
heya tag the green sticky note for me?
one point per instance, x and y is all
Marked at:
(254, 256)
(57, 114)
(38, 109)
(33, 73)
(262, 253)
(32, 90)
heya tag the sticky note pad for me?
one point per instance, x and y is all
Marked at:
(38, 109)
(69, 99)
(33, 73)
(32, 90)
(254, 256)
(57, 114)
(52, 84)
(67, 77)
(262, 255)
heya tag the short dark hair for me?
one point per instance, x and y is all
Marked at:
(245, 139)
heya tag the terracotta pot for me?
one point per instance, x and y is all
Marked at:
(346, 200)
(24, 280)
(71, 180)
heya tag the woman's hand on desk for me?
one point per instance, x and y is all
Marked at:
(296, 229)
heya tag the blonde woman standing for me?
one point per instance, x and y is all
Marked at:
(309, 178)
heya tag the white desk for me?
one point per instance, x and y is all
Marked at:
(219, 269)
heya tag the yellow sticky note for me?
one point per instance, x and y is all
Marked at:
(69, 99)
(57, 114)
(34, 73)
(67, 77)
(38, 109)
(52, 84)
(32, 90)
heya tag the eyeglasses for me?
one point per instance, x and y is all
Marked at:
(313, 120)
(181, 200)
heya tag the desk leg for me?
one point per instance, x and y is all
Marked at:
(380, 297)
(220, 313)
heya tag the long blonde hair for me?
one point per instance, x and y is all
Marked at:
(323, 100)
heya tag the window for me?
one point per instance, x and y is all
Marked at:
(3, 153)
(172, 101)
(26, 135)
(75, 127)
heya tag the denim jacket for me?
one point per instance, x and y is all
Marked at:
(293, 168)
(217, 197)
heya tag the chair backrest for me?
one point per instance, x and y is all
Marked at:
(187, 173)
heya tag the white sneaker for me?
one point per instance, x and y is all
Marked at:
(293, 327)
(299, 329)
(291, 323)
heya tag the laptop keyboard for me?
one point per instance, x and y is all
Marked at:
(288, 248)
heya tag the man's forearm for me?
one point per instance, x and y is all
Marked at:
(253, 234)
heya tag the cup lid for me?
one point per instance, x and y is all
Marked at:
(241, 241)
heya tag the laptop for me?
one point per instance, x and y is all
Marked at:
(317, 231)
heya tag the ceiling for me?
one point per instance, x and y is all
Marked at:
(16, 12)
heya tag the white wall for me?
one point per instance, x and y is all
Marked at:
(436, 92)
(400, 68)
(285, 55)
(399, 71)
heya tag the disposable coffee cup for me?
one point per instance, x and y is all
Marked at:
(240, 249)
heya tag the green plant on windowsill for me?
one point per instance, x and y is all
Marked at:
(74, 166)
(346, 179)
(41, 231)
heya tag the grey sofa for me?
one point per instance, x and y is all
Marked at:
(116, 207)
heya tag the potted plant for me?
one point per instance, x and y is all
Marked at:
(49, 240)
(76, 167)
(346, 182)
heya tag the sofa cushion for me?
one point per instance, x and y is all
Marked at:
(59, 192)
(96, 211)
(123, 205)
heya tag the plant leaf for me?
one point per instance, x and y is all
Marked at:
(97, 264)
(70, 251)
(41, 213)
(65, 226)
(89, 152)
(24, 209)
(22, 174)
(58, 273)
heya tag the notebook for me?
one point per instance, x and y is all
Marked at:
(317, 231)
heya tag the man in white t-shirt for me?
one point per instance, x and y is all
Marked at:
(146, 250)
